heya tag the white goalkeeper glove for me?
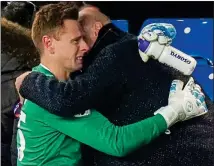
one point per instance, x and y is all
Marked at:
(154, 41)
(162, 32)
(183, 104)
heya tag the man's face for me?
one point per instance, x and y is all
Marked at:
(70, 48)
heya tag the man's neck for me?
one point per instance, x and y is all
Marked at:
(57, 70)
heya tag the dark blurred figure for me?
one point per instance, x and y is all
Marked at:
(18, 54)
(20, 12)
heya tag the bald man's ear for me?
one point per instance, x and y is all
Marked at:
(97, 26)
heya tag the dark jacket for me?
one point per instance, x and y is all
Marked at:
(116, 79)
(17, 56)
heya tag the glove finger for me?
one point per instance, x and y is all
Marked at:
(150, 36)
(190, 85)
(162, 32)
(141, 46)
(204, 109)
(197, 87)
(163, 40)
(147, 28)
(176, 86)
(158, 32)
(143, 56)
(198, 93)
(200, 100)
(167, 29)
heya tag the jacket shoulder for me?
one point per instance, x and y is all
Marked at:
(127, 43)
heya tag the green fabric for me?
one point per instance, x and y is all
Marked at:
(49, 140)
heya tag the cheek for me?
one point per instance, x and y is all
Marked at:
(70, 55)
(64, 49)
(58, 47)
(73, 51)
(66, 52)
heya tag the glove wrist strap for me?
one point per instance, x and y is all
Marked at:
(169, 114)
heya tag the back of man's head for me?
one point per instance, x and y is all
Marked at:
(92, 20)
(90, 14)
(49, 20)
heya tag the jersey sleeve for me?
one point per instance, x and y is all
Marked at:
(98, 132)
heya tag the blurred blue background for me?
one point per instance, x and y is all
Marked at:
(195, 38)
(122, 24)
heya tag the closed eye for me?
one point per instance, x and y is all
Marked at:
(76, 40)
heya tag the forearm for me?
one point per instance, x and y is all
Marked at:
(126, 139)
(53, 95)
(77, 95)
(100, 134)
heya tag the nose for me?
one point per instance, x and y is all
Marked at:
(84, 46)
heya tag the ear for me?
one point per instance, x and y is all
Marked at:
(97, 26)
(48, 43)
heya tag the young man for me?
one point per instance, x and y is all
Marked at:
(114, 83)
(46, 139)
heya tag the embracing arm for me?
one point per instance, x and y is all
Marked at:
(98, 132)
(74, 96)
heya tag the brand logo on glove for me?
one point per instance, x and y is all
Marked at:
(180, 57)
(189, 107)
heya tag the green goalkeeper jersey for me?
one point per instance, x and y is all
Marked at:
(44, 139)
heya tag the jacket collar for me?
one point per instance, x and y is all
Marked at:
(108, 34)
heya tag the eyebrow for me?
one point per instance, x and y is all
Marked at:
(76, 38)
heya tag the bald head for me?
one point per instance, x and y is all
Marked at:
(92, 20)
(92, 14)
